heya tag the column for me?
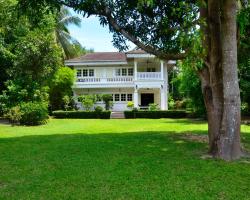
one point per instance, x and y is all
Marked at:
(136, 103)
(167, 86)
(135, 70)
(162, 70)
(163, 98)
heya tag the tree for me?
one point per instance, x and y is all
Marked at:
(71, 47)
(60, 86)
(166, 29)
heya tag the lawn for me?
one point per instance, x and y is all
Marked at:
(116, 159)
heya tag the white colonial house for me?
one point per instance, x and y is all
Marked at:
(132, 76)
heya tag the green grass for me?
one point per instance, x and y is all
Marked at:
(116, 159)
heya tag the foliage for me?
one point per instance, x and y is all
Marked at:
(98, 109)
(82, 114)
(153, 107)
(156, 114)
(14, 114)
(190, 86)
(71, 47)
(34, 113)
(130, 105)
(61, 85)
(87, 101)
(66, 101)
(243, 56)
(108, 101)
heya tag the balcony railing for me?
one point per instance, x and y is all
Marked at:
(121, 79)
(148, 75)
(124, 79)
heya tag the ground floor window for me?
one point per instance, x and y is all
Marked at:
(129, 97)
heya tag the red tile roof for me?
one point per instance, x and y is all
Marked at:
(100, 56)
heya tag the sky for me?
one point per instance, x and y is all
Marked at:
(92, 35)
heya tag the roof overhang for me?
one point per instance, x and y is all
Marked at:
(97, 63)
(137, 55)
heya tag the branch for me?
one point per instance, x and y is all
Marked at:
(132, 38)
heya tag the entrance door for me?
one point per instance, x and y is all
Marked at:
(147, 98)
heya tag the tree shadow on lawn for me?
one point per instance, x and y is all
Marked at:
(141, 165)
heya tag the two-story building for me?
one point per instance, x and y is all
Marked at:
(132, 76)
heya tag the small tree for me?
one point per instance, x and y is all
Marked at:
(87, 101)
(130, 105)
(66, 102)
(108, 101)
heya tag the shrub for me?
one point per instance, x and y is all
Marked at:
(153, 107)
(171, 103)
(130, 105)
(98, 109)
(14, 115)
(108, 101)
(66, 101)
(34, 113)
(156, 114)
(81, 114)
(87, 101)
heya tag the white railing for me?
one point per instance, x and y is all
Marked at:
(148, 75)
(105, 80)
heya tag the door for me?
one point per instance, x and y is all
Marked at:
(147, 98)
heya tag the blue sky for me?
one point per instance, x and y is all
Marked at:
(92, 35)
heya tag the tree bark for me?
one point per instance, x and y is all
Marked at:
(219, 79)
(229, 141)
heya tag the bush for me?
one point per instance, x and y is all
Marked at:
(81, 115)
(87, 101)
(14, 115)
(98, 109)
(108, 101)
(156, 114)
(130, 105)
(34, 113)
(153, 107)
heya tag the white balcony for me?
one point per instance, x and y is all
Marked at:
(148, 75)
(88, 80)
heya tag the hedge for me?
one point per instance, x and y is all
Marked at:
(156, 114)
(81, 114)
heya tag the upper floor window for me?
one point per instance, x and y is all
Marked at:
(79, 73)
(85, 72)
(130, 71)
(91, 72)
(124, 72)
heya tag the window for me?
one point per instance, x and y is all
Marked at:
(130, 72)
(79, 73)
(117, 97)
(124, 71)
(118, 72)
(152, 69)
(91, 72)
(129, 97)
(84, 72)
(123, 97)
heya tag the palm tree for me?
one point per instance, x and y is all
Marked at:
(63, 37)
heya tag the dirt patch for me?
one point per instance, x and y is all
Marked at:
(195, 137)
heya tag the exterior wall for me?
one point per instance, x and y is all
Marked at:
(118, 105)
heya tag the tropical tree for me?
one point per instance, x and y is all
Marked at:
(70, 46)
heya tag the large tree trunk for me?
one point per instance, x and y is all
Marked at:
(219, 79)
(229, 141)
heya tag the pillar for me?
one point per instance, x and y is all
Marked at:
(135, 70)
(136, 103)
